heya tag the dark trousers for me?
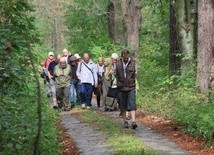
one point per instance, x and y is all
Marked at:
(86, 90)
(63, 96)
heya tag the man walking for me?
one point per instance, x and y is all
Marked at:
(87, 74)
(74, 82)
(125, 74)
(52, 80)
(62, 73)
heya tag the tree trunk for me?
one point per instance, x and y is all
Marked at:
(205, 76)
(174, 52)
(111, 22)
(127, 24)
(132, 18)
(186, 23)
(119, 28)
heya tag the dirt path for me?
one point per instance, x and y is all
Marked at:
(90, 141)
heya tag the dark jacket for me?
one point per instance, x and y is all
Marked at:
(73, 72)
(125, 83)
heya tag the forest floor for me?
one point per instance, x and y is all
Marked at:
(169, 135)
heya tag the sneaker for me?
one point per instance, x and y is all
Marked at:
(83, 106)
(134, 125)
(126, 124)
(88, 107)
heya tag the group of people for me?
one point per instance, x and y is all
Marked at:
(72, 79)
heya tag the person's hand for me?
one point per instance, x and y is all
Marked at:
(50, 77)
(78, 77)
(96, 85)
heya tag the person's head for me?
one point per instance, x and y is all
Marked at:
(86, 57)
(77, 56)
(63, 63)
(114, 57)
(58, 57)
(73, 60)
(125, 55)
(100, 61)
(65, 52)
(51, 55)
(107, 62)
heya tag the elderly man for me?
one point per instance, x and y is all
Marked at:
(87, 74)
(52, 80)
(125, 74)
(62, 76)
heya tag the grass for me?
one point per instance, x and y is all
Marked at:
(123, 141)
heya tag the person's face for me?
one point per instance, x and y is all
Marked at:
(65, 53)
(58, 58)
(86, 58)
(125, 57)
(51, 57)
(63, 64)
(114, 60)
(100, 62)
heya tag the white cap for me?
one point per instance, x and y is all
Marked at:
(114, 56)
(77, 56)
(50, 53)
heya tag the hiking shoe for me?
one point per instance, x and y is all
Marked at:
(126, 124)
(134, 125)
(83, 106)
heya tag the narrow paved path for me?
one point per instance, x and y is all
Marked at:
(152, 139)
(89, 140)
(92, 142)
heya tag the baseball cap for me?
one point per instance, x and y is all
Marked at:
(50, 53)
(114, 56)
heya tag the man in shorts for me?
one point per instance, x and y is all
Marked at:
(125, 74)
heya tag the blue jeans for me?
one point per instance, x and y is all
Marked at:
(74, 89)
(86, 91)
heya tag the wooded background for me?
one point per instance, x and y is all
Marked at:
(172, 42)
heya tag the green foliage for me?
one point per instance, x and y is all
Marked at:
(154, 44)
(87, 24)
(18, 112)
(176, 96)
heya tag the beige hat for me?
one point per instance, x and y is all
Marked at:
(77, 56)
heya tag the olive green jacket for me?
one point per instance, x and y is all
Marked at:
(62, 76)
